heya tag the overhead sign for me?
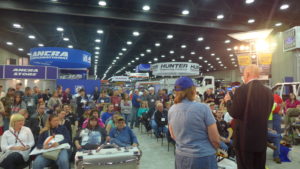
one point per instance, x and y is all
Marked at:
(291, 39)
(60, 57)
(28, 72)
(120, 79)
(143, 68)
(175, 69)
(138, 75)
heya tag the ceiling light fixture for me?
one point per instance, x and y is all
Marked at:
(249, 1)
(172, 52)
(102, 3)
(169, 36)
(120, 53)
(136, 33)
(200, 39)
(96, 53)
(200, 57)
(183, 46)
(157, 44)
(71, 46)
(20, 49)
(193, 53)
(227, 41)
(97, 48)
(163, 56)
(185, 12)
(31, 37)
(207, 48)
(18, 26)
(97, 40)
(60, 29)
(124, 49)
(100, 31)
(148, 50)
(129, 43)
(220, 16)
(66, 39)
(9, 43)
(251, 21)
(40, 45)
(213, 54)
(146, 7)
(278, 24)
(284, 6)
(142, 54)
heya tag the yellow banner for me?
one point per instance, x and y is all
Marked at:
(264, 58)
(244, 60)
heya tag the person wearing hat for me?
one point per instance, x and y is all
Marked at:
(194, 129)
(122, 135)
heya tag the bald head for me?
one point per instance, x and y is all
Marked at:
(251, 72)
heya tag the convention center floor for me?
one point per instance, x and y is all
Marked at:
(156, 155)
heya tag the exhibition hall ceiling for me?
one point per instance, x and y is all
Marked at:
(120, 34)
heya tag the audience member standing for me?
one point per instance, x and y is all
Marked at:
(2, 93)
(151, 98)
(8, 101)
(126, 107)
(135, 107)
(66, 96)
(250, 107)
(19, 89)
(29, 100)
(194, 129)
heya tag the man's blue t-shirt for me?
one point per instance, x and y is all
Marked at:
(189, 121)
(135, 103)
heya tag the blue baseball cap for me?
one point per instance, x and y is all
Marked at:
(183, 83)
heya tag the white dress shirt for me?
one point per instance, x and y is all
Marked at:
(8, 140)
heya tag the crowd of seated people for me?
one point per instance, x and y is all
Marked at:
(109, 116)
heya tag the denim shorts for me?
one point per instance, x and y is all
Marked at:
(207, 162)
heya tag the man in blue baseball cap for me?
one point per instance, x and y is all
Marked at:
(194, 129)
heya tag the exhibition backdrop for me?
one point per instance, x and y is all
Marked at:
(88, 85)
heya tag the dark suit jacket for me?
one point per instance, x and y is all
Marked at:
(250, 107)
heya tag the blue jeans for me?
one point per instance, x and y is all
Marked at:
(277, 123)
(275, 139)
(162, 129)
(127, 117)
(208, 162)
(154, 126)
(118, 142)
(134, 119)
(62, 161)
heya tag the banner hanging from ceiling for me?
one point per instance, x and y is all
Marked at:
(120, 79)
(28, 72)
(143, 68)
(175, 69)
(60, 57)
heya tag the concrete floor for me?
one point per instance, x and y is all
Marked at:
(156, 156)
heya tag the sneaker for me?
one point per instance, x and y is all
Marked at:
(277, 160)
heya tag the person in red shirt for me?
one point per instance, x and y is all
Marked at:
(116, 101)
(277, 112)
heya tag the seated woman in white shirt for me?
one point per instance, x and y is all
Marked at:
(16, 143)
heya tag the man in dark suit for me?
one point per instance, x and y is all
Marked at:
(250, 107)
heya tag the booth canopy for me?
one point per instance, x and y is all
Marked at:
(60, 57)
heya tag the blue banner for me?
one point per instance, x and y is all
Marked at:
(88, 85)
(60, 57)
(28, 72)
(143, 68)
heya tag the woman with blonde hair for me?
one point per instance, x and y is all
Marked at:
(16, 143)
(194, 129)
(52, 128)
